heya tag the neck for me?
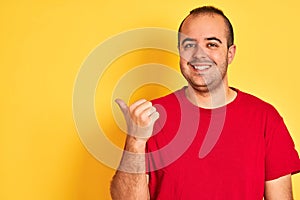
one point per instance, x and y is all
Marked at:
(210, 99)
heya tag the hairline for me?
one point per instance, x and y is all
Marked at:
(211, 13)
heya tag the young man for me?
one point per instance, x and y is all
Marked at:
(206, 140)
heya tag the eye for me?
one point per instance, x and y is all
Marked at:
(212, 45)
(189, 46)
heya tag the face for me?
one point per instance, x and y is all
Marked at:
(204, 54)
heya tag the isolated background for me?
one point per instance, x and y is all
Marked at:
(44, 43)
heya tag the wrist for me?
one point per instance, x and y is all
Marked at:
(133, 159)
(135, 145)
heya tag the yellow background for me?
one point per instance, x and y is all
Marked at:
(43, 44)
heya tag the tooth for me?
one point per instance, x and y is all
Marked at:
(201, 67)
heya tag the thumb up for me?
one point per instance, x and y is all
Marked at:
(140, 118)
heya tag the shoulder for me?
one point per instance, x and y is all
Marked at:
(253, 101)
(255, 104)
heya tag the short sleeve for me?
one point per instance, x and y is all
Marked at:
(281, 157)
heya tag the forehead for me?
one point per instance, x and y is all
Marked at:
(203, 26)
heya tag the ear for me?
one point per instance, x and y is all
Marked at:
(231, 53)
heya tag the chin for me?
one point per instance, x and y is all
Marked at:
(201, 88)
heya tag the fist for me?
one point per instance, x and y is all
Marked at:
(140, 118)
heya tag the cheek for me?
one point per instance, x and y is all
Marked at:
(182, 64)
(218, 57)
(185, 56)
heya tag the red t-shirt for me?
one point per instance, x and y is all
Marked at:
(224, 153)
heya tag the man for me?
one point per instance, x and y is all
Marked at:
(207, 140)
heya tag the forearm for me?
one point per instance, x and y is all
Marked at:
(130, 181)
(127, 186)
(279, 189)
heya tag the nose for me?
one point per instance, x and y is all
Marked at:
(199, 52)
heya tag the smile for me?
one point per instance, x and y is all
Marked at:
(200, 66)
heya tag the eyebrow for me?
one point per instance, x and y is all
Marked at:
(214, 38)
(188, 40)
(194, 40)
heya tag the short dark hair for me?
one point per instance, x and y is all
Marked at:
(211, 10)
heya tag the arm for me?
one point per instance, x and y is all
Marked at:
(130, 180)
(279, 189)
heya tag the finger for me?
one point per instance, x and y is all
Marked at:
(137, 103)
(150, 115)
(142, 108)
(123, 106)
(154, 116)
(144, 116)
(152, 109)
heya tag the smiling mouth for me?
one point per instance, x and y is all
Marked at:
(199, 66)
